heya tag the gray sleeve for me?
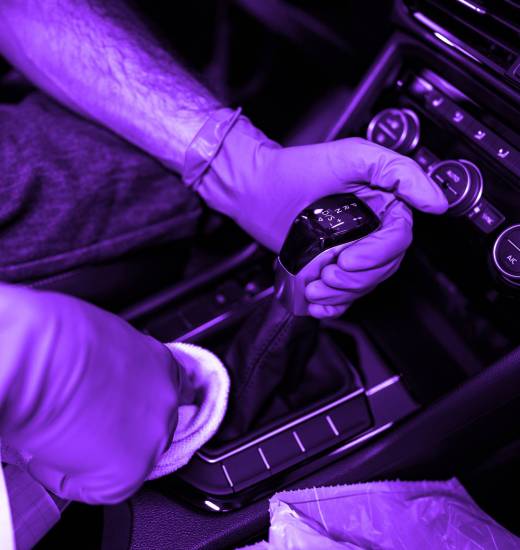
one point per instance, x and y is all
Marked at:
(71, 193)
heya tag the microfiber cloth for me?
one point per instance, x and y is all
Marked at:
(199, 420)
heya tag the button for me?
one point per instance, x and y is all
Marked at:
(438, 102)
(460, 181)
(459, 118)
(245, 468)
(425, 158)
(452, 177)
(507, 156)
(486, 217)
(506, 253)
(480, 134)
(449, 111)
(388, 128)
(281, 451)
(315, 433)
(350, 418)
(502, 152)
(445, 108)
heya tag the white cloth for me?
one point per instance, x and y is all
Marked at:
(198, 421)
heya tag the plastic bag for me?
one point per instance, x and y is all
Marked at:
(397, 515)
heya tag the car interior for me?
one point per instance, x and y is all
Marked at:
(422, 374)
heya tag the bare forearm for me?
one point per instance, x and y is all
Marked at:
(97, 58)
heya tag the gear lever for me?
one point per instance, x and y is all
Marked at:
(318, 234)
(269, 356)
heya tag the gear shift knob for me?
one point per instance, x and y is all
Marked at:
(318, 234)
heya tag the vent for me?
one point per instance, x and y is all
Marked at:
(486, 30)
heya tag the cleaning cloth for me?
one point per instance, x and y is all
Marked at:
(201, 415)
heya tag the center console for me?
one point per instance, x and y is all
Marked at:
(446, 316)
(427, 363)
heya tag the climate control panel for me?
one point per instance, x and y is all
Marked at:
(461, 180)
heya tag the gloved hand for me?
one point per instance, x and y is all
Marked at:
(263, 186)
(91, 401)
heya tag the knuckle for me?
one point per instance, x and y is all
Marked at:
(329, 274)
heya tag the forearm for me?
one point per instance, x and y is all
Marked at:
(97, 58)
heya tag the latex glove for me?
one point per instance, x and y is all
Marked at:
(263, 186)
(91, 401)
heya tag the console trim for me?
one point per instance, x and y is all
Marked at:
(197, 331)
(281, 429)
(367, 392)
(361, 438)
(383, 385)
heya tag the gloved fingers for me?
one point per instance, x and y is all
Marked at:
(92, 489)
(317, 292)
(352, 282)
(355, 160)
(384, 245)
(49, 477)
(55, 481)
(326, 312)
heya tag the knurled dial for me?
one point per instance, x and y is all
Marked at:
(506, 254)
(396, 129)
(460, 181)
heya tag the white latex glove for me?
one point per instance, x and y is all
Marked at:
(263, 186)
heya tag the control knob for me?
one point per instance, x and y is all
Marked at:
(506, 254)
(396, 129)
(461, 183)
